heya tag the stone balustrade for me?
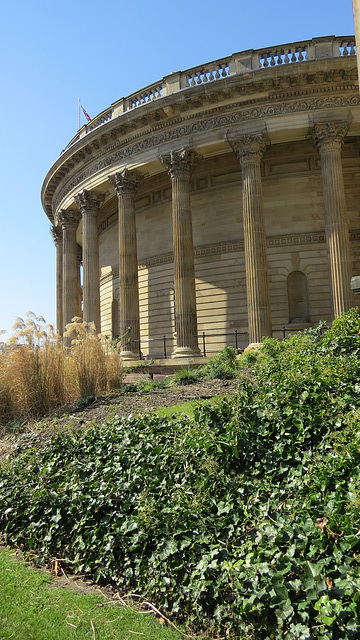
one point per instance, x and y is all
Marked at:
(238, 63)
(207, 73)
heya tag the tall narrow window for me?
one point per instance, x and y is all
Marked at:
(115, 318)
(298, 299)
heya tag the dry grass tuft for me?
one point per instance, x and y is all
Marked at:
(39, 374)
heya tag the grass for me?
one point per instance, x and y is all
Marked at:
(38, 374)
(187, 408)
(32, 607)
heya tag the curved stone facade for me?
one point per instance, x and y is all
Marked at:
(222, 200)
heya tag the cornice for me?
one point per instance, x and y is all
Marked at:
(96, 151)
(123, 153)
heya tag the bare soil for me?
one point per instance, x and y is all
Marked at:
(17, 438)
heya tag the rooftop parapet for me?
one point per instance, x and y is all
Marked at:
(236, 64)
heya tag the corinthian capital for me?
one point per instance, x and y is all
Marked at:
(68, 219)
(56, 233)
(180, 163)
(329, 136)
(126, 182)
(88, 200)
(249, 147)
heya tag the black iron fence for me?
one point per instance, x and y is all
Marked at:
(203, 337)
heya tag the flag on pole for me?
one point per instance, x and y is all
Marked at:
(85, 113)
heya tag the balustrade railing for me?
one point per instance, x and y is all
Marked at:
(242, 62)
(207, 73)
(283, 55)
(145, 95)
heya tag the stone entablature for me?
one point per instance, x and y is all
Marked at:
(127, 128)
(201, 201)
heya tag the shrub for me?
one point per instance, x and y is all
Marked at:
(187, 376)
(223, 365)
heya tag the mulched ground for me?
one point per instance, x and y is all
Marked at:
(37, 434)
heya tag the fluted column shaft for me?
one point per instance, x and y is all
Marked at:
(328, 138)
(58, 239)
(126, 184)
(249, 150)
(89, 203)
(69, 221)
(179, 165)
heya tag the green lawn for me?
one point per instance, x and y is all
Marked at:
(32, 607)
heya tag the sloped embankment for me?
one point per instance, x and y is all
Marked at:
(244, 521)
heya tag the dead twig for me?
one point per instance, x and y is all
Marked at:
(93, 630)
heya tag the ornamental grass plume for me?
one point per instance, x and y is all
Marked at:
(32, 378)
(96, 361)
(39, 374)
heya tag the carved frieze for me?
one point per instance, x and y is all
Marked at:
(225, 117)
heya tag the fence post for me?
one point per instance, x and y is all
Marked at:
(164, 347)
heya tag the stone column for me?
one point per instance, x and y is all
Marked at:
(78, 277)
(179, 165)
(356, 11)
(89, 204)
(58, 239)
(126, 184)
(69, 221)
(328, 139)
(249, 150)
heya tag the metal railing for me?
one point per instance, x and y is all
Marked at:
(285, 331)
(204, 337)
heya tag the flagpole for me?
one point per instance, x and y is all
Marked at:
(79, 115)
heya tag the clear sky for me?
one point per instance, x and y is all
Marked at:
(52, 53)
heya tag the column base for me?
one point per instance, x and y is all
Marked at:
(186, 352)
(253, 346)
(129, 355)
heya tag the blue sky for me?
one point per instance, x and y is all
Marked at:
(53, 53)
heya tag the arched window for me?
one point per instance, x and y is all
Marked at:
(115, 318)
(298, 299)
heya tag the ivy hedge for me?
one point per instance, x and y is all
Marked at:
(243, 522)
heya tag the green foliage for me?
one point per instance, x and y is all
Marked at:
(187, 376)
(222, 366)
(344, 337)
(129, 387)
(146, 386)
(243, 521)
(34, 606)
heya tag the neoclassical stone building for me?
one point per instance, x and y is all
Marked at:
(222, 199)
